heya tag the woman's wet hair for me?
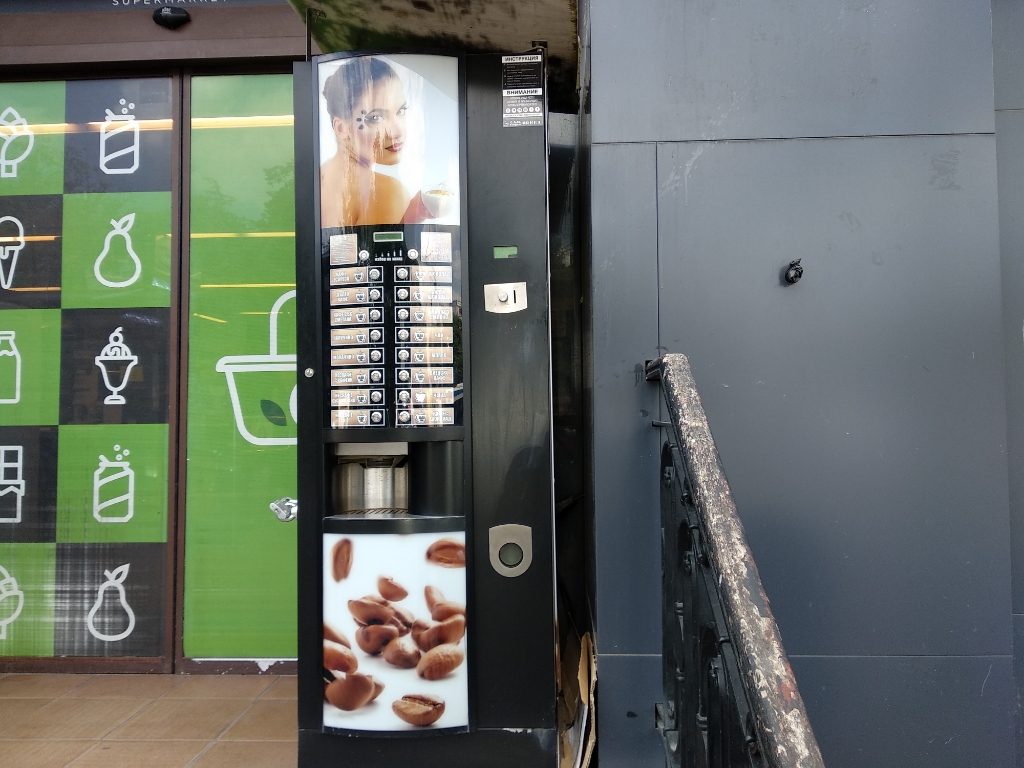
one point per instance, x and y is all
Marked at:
(346, 87)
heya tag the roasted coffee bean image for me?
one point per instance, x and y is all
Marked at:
(374, 637)
(446, 609)
(448, 553)
(330, 633)
(402, 627)
(405, 616)
(351, 691)
(429, 635)
(368, 610)
(419, 709)
(341, 559)
(338, 658)
(402, 653)
(440, 661)
(433, 596)
(378, 688)
(390, 589)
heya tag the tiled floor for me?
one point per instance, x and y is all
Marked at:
(157, 721)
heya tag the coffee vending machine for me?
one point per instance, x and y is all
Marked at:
(427, 600)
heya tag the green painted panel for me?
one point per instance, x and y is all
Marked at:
(32, 138)
(112, 483)
(30, 374)
(26, 621)
(117, 250)
(240, 577)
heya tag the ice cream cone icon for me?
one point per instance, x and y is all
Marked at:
(12, 240)
(15, 135)
(116, 362)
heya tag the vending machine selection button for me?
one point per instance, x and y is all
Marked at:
(351, 356)
(435, 294)
(426, 314)
(357, 417)
(349, 296)
(427, 375)
(432, 274)
(350, 398)
(349, 316)
(433, 355)
(430, 396)
(347, 337)
(346, 377)
(375, 274)
(348, 275)
(426, 417)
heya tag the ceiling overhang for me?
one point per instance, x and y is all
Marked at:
(472, 26)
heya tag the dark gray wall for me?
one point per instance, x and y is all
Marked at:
(1008, 48)
(861, 414)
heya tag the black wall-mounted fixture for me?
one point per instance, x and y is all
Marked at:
(172, 18)
(794, 272)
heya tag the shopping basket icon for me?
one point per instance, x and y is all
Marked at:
(257, 383)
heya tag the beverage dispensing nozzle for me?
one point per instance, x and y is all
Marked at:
(286, 509)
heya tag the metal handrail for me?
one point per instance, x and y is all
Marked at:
(731, 697)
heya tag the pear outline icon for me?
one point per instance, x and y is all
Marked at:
(120, 227)
(115, 580)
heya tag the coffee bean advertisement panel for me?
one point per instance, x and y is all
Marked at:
(85, 349)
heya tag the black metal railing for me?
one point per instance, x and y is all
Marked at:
(730, 696)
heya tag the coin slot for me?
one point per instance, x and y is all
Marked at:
(510, 555)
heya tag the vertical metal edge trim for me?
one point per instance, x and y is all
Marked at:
(183, 283)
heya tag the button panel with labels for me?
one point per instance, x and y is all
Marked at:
(393, 313)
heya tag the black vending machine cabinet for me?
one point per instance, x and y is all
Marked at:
(427, 632)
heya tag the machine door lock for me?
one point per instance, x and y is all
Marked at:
(505, 297)
(511, 549)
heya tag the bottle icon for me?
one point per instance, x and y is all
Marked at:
(120, 229)
(10, 369)
(113, 489)
(119, 142)
(114, 582)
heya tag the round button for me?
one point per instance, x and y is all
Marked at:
(376, 417)
(413, 254)
(375, 335)
(376, 396)
(403, 417)
(375, 295)
(502, 296)
(402, 273)
(375, 355)
(403, 375)
(403, 396)
(309, 373)
(403, 314)
(510, 555)
(375, 377)
(375, 315)
(403, 334)
(375, 274)
(403, 294)
(403, 355)
(364, 255)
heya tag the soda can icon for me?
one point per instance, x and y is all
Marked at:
(119, 142)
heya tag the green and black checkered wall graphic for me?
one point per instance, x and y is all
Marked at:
(85, 294)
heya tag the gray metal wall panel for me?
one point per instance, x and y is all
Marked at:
(625, 713)
(860, 413)
(951, 712)
(624, 296)
(716, 69)
(1010, 151)
(1008, 53)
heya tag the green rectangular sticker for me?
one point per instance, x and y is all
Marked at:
(506, 251)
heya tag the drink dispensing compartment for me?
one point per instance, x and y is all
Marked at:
(426, 567)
